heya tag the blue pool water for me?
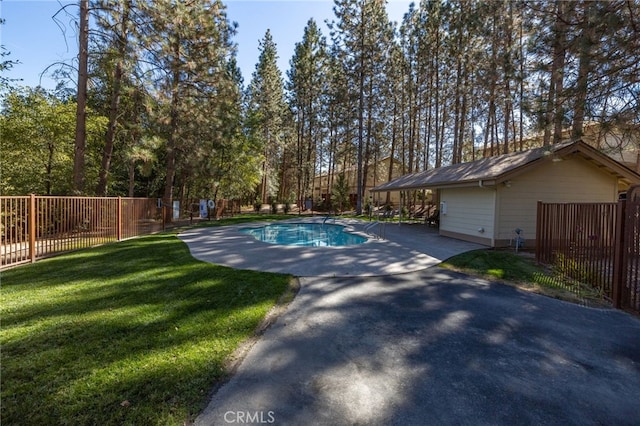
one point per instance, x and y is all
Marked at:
(304, 234)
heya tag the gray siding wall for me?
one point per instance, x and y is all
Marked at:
(468, 211)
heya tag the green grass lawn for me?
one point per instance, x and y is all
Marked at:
(522, 270)
(499, 264)
(136, 332)
(247, 217)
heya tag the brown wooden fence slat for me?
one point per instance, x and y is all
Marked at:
(594, 243)
(578, 239)
(631, 251)
(33, 227)
(14, 216)
(618, 256)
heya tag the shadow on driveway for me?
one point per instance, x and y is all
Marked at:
(435, 347)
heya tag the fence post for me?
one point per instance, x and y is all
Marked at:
(618, 255)
(32, 228)
(119, 219)
(538, 231)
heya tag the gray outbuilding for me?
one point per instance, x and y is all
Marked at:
(487, 200)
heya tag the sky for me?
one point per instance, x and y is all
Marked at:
(37, 40)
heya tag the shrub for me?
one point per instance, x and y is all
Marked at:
(404, 211)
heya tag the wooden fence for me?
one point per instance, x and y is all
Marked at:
(594, 243)
(627, 261)
(33, 227)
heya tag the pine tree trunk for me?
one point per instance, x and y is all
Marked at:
(101, 189)
(114, 107)
(584, 70)
(361, 77)
(167, 198)
(132, 177)
(558, 72)
(81, 125)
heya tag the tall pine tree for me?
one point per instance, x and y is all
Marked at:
(268, 116)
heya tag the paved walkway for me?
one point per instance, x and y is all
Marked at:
(423, 346)
(435, 347)
(406, 248)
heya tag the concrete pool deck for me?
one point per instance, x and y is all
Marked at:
(404, 248)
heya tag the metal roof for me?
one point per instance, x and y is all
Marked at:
(493, 170)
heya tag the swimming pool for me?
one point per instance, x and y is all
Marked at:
(305, 234)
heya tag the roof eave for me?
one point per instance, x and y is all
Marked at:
(614, 167)
(441, 185)
(553, 152)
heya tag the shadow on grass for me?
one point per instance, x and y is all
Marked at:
(135, 332)
(521, 269)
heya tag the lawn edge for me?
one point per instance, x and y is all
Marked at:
(558, 294)
(235, 359)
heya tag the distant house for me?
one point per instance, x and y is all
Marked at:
(377, 173)
(485, 201)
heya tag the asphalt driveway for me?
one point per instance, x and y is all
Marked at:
(434, 347)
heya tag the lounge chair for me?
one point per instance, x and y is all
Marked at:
(434, 219)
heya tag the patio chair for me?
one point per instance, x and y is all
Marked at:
(434, 219)
(418, 213)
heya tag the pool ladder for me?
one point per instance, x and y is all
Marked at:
(327, 218)
(381, 229)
